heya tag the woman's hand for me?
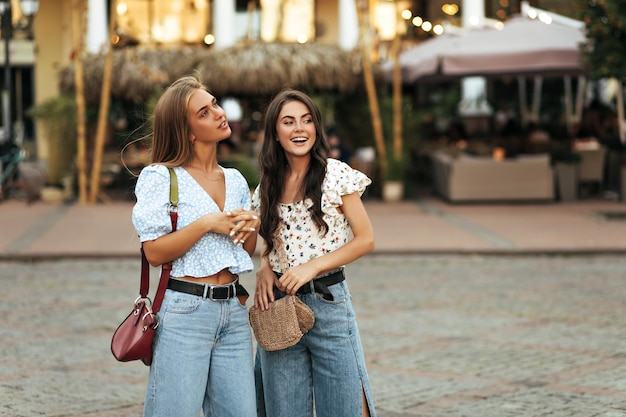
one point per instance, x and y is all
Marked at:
(294, 278)
(264, 292)
(243, 224)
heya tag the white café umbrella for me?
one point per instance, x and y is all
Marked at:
(522, 47)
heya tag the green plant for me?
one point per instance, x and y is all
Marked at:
(396, 167)
(58, 118)
(603, 52)
(247, 167)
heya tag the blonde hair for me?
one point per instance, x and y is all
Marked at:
(171, 131)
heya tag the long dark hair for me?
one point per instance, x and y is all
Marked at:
(274, 166)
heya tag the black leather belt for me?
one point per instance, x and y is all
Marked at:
(213, 292)
(320, 285)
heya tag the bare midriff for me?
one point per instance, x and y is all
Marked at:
(221, 278)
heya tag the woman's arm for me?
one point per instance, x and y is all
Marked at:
(265, 282)
(362, 243)
(173, 245)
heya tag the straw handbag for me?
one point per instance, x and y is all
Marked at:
(286, 320)
(283, 324)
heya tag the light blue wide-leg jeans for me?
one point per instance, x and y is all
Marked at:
(326, 368)
(202, 360)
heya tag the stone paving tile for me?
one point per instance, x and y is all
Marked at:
(453, 336)
(537, 403)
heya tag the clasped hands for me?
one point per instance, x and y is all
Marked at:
(242, 223)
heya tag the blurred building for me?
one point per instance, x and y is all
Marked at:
(40, 50)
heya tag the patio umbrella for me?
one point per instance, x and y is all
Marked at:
(136, 71)
(265, 68)
(523, 47)
(248, 69)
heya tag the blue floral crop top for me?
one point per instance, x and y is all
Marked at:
(214, 251)
(303, 240)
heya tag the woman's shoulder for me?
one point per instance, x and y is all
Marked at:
(332, 163)
(153, 172)
(154, 169)
(343, 178)
(337, 168)
(234, 173)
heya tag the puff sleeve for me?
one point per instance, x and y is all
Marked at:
(150, 216)
(340, 180)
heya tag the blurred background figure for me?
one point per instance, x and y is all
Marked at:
(337, 149)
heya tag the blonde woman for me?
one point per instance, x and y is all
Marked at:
(203, 345)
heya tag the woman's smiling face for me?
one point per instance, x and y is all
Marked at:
(296, 129)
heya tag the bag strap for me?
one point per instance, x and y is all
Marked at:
(166, 268)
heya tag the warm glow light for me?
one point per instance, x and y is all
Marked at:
(427, 26)
(545, 18)
(498, 154)
(209, 39)
(385, 20)
(417, 21)
(122, 9)
(499, 25)
(450, 9)
(176, 6)
(296, 20)
(302, 38)
(406, 14)
(438, 29)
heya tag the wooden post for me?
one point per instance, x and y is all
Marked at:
(78, 37)
(370, 86)
(103, 112)
(621, 119)
(397, 98)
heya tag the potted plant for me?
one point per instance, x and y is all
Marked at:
(58, 118)
(565, 163)
(393, 181)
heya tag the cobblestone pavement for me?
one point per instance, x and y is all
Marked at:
(444, 335)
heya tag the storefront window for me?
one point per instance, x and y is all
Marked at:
(163, 21)
(288, 20)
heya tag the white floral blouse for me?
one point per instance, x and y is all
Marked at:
(214, 251)
(302, 239)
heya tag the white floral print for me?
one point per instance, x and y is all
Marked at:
(302, 239)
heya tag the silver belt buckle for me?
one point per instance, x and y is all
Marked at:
(208, 291)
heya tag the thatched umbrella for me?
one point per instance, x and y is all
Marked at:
(136, 71)
(265, 68)
(246, 70)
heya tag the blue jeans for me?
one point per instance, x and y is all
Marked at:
(326, 368)
(202, 359)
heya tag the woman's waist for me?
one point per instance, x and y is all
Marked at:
(222, 277)
(210, 261)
